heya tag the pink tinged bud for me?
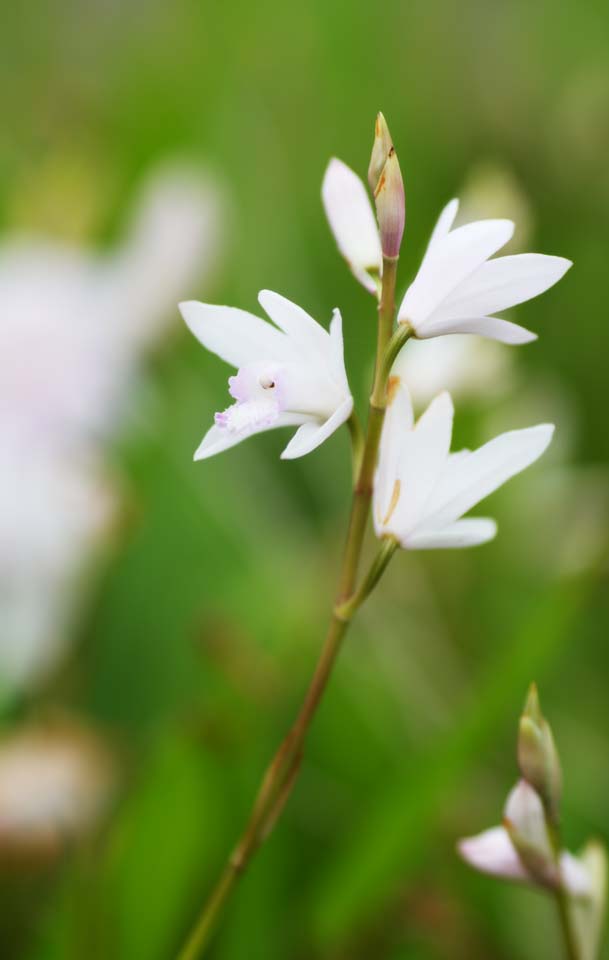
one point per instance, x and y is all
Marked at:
(385, 179)
(525, 822)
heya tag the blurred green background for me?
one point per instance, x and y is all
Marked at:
(198, 635)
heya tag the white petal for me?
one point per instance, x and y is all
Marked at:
(491, 327)
(218, 439)
(470, 478)
(504, 282)
(492, 852)
(463, 533)
(337, 348)
(398, 423)
(352, 221)
(448, 263)
(234, 335)
(311, 434)
(306, 334)
(444, 223)
(575, 877)
(422, 460)
(524, 811)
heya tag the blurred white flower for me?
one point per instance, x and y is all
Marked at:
(457, 288)
(289, 374)
(55, 510)
(467, 367)
(55, 784)
(421, 490)
(74, 324)
(73, 327)
(353, 223)
(493, 190)
(521, 848)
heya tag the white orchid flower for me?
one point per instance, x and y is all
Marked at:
(422, 490)
(353, 223)
(96, 314)
(457, 288)
(291, 374)
(505, 851)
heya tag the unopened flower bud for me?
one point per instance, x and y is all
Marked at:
(385, 179)
(538, 757)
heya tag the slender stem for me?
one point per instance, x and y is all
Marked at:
(571, 947)
(281, 775)
(346, 610)
(357, 442)
(560, 894)
(399, 338)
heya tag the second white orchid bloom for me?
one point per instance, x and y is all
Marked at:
(422, 490)
(521, 848)
(457, 288)
(291, 374)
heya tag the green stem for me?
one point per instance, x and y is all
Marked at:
(560, 895)
(281, 774)
(346, 610)
(399, 338)
(571, 947)
(357, 442)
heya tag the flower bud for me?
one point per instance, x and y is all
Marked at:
(524, 820)
(385, 179)
(538, 757)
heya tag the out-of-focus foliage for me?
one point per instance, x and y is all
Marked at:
(196, 636)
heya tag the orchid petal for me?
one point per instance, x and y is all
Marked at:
(575, 877)
(462, 533)
(503, 283)
(423, 456)
(493, 328)
(525, 814)
(398, 423)
(444, 224)
(450, 261)
(471, 478)
(311, 434)
(236, 336)
(352, 221)
(337, 348)
(305, 333)
(217, 439)
(492, 852)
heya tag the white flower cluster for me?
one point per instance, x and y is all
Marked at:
(73, 327)
(291, 371)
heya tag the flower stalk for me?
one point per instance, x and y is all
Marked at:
(282, 772)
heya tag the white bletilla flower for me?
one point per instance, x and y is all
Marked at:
(353, 223)
(291, 374)
(422, 490)
(75, 324)
(457, 288)
(521, 849)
